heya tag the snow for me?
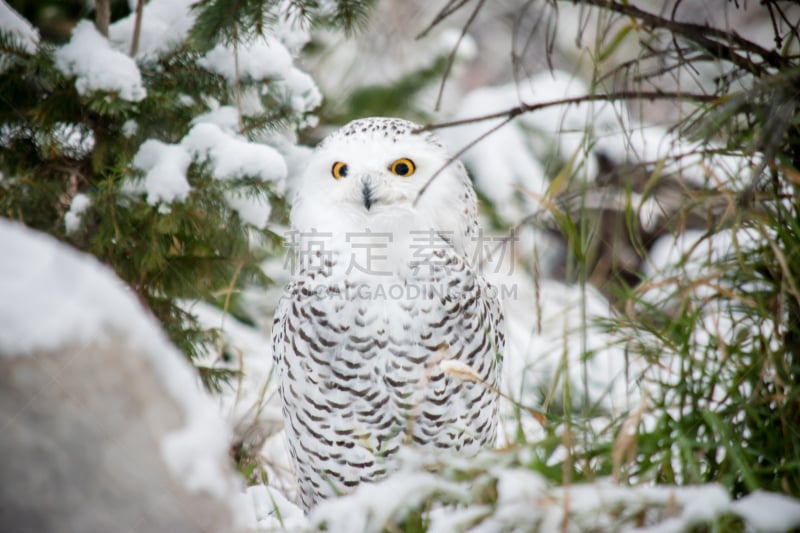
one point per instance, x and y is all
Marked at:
(510, 165)
(264, 58)
(502, 165)
(15, 24)
(53, 296)
(371, 506)
(253, 210)
(304, 94)
(765, 511)
(690, 253)
(97, 66)
(83, 300)
(526, 501)
(251, 405)
(289, 26)
(72, 218)
(226, 117)
(230, 156)
(553, 340)
(214, 137)
(71, 139)
(273, 512)
(129, 128)
(698, 270)
(165, 24)
(450, 37)
(165, 167)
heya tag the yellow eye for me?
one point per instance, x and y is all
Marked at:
(339, 170)
(403, 167)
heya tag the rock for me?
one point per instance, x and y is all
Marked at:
(105, 432)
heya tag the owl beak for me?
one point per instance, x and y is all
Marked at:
(366, 193)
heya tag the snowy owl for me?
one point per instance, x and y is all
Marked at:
(385, 299)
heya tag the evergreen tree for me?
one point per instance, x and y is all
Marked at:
(156, 139)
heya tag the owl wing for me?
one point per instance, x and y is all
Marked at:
(360, 374)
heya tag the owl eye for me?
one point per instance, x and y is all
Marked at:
(403, 167)
(339, 170)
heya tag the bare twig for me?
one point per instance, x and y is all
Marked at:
(510, 114)
(451, 7)
(775, 31)
(452, 57)
(720, 43)
(237, 84)
(513, 112)
(458, 154)
(102, 16)
(517, 55)
(137, 28)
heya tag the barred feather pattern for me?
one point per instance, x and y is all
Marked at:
(358, 353)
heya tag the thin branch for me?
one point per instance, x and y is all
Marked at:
(237, 83)
(775, 30)
(513, 112)
(451, 59)
(451, 7)
(102, 16)
(137, 28)
(624, 69)
(714, 40)
(517, 56)
(458, 154)
(510, 114)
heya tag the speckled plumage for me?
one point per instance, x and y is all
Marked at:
(382, 292)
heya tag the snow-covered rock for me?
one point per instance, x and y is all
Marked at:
(104, 423)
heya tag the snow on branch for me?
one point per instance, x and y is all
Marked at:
(97, 66)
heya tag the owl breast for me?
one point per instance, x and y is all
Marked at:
(358, 356)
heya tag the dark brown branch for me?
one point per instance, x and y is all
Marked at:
(513, 112)
(714, 40)
(722, 44)
(137, 28)
(102, 16)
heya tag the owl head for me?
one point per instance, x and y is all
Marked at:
(369, 174)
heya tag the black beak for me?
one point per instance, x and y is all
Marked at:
(366, 194)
